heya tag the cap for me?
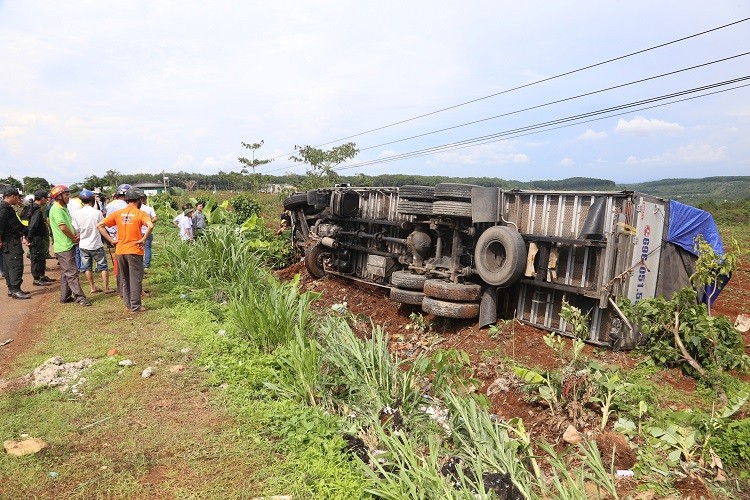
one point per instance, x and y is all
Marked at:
(86, 195)
(133, 194)
(12, 192)
(58, 190)
(41, 193)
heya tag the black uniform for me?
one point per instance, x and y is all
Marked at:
(11, 231)
(39, 241)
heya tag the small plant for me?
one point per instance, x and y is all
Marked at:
(577, 320)
(448, 368)
(418, 323)
(610, 385)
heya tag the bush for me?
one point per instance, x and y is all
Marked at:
(244, 206)
(163, 200)
(732, 444)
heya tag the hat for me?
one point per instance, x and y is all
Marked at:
(86, 195)
(11, 192)
(133, 194)
(41, 193)
(58, 190)
(188, 211)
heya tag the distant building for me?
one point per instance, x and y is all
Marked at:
(277, 188)
(149, 188)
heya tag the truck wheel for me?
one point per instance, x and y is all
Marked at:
(463, 292)
(296, 201)
(451, 191)
(419, 193)
(500, 255)
(414, 207)
(450, 309)
(452, 208)
(406, 296)
(408, 280)
(314, 258)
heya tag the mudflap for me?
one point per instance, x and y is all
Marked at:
(488, 306)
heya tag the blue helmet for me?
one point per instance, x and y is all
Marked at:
(86, 195)
(122, 188)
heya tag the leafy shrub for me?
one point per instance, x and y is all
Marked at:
(163, 200)
(244, 206)
(732, 443)
(712, 341)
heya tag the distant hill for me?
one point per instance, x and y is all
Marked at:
(696, 191)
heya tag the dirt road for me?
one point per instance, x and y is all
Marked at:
(18, 316)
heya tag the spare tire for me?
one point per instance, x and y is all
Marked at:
(296, 201)
(500, 255)
(421, 193)
(315, 256)
(452, 208)
(448, 309)
(408, 280)
(406, 296)
(414, 207)
(463, 292)
(451, 191)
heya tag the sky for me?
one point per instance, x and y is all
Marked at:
(149, 86)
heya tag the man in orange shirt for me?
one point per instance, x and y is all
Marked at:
(129, 249)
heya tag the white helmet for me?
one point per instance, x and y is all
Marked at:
(28, 199)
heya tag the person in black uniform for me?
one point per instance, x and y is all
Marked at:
(12, 236)
(39, 239)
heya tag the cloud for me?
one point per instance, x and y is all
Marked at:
(692, 153)
(567, 162)
(590, 135)
(644, 126)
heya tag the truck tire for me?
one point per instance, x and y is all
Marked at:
(414, 207)
(452, 191)
(314, 258)
(406, 296)
(500, 255)
(452, 208)
(419, 193)
(459, 292)
(296, 201)
(448, 309)
(408, 280)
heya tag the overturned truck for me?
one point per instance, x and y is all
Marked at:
(464, 251)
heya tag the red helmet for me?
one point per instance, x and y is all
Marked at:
(58, 190)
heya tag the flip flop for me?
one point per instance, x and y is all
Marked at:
(96, 290)
(108, 291)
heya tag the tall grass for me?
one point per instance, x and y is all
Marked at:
(271, 313)
(223, 258)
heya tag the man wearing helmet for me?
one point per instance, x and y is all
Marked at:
(12, 235)
(130, 242)
(85, 221)
(65, 239)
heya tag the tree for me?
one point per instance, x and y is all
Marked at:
(12, 182)
(112, 177)
(93, 182)
(253, 162)
(31, 184)
(322, 163)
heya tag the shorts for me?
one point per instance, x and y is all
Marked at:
(88, 257)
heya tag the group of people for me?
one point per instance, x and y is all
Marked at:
(79, 231)
(190, 221)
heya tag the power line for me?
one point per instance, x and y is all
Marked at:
(544, 125)
(560, 75)
(558, 101)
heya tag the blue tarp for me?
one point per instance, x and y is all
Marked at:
(685, 224)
